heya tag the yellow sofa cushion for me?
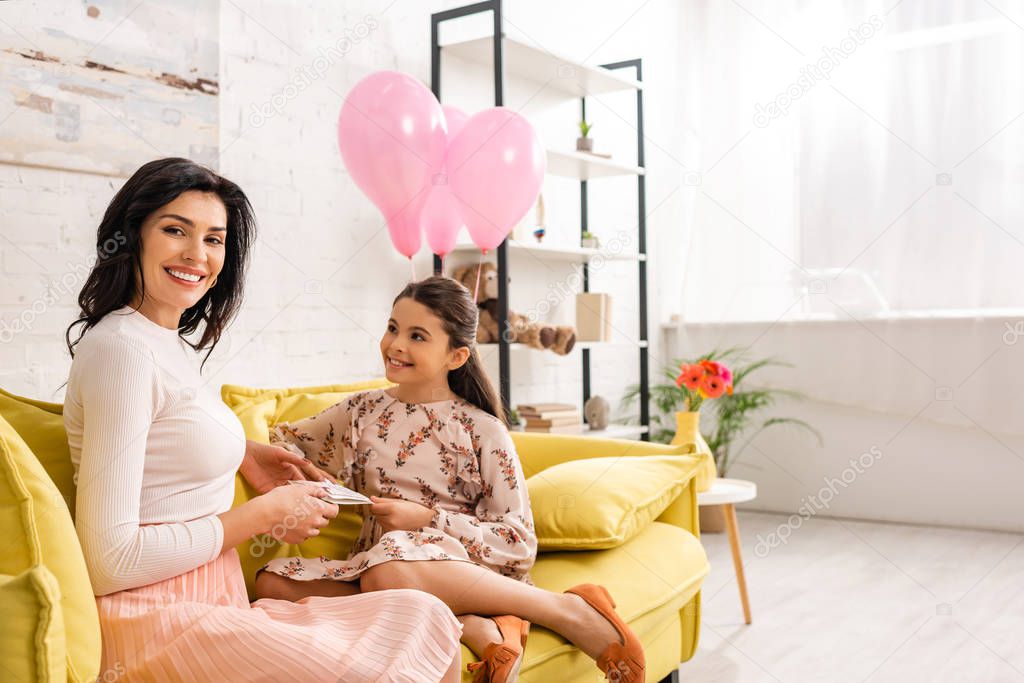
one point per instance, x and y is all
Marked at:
(36, 529)
(32, 644)
(596, 503)
(302, 401)
(258, 410)
(651, 577)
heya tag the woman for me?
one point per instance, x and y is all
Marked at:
(155, 455)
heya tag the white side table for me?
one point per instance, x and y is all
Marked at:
(728, 492)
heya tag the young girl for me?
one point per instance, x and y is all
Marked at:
(450, 514)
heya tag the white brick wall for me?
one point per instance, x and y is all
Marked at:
(324, 272)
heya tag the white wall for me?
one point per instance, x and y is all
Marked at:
(324, 272)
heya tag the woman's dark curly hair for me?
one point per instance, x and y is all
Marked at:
(111, 283)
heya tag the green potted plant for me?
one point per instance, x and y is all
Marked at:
(732, 414)
(514, 423)
(584, 143)
(589, 240)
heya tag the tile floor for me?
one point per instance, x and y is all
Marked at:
(843, 600)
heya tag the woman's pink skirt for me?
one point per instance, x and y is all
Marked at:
(200, 627)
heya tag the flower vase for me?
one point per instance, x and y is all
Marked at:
(712, 518)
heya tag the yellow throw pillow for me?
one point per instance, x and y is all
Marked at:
(258, 410)
(36, 528)
(41, 425)
(32, 644)
(597, 503)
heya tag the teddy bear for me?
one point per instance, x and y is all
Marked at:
(559, 339)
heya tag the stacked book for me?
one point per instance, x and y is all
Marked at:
(551, 417)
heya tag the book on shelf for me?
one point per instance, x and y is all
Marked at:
(540, 412)
(553, 421)
(550, 417)
(545, 407)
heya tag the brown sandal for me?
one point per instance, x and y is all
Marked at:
(501, 661)
(621, 662)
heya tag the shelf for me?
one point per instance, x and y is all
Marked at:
(555, 71)
(559, 80)
(579, 345)
(578, 254)
(585, 166)
(616, 431)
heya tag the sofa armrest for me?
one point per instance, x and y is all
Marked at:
(539, 451)
(682, 512)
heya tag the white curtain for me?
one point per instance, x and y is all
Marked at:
(887, 181)
(869, 227)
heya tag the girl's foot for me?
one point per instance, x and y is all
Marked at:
(499, 643)
(479, 632)
(604, 636)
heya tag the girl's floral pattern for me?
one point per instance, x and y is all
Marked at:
(384, 423)
(508, 468)
(292, 567)
(407, 446)
(447, 455)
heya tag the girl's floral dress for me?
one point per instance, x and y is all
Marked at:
(446, 455)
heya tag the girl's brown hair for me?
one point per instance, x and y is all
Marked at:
(454, 305)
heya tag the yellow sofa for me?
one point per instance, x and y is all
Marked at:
(655, 576)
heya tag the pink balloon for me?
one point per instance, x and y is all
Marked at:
(441, 220)
(440, 217)
(456, 119)
(495, 167)
(391, 133)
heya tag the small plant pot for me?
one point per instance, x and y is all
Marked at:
(712, 519)
(584, 145)
(589, 243)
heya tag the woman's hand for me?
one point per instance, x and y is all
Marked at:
(266, 467)
(395, 514)
(295, 513)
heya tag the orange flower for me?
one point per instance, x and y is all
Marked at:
(712, 386)
(690, 376)
(710, 365)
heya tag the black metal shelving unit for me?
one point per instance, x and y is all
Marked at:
(504, 351)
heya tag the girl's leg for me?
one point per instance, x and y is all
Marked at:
(271, 585)
(469, 589)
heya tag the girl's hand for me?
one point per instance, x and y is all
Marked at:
(266, 467)
(395, 514)
(294, 513)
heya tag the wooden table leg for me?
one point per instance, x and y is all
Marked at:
(733, 528)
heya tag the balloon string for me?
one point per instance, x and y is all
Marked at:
(443, 257)
(412, 268)
(476, 287)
